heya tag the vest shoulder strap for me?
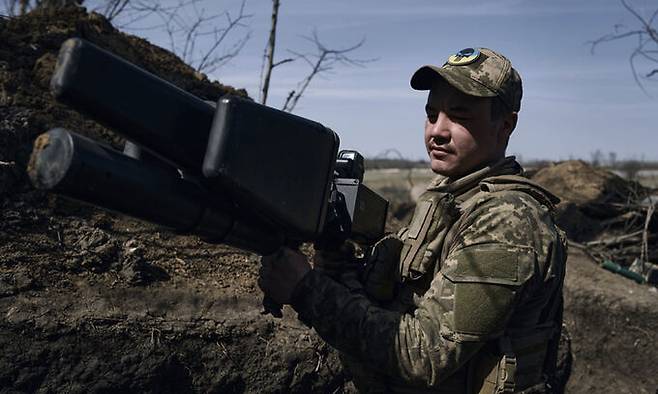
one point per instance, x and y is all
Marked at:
(519, 183)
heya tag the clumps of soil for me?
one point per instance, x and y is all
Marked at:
(135, 267)
(602, 210)
(12, 283)
(94, 301)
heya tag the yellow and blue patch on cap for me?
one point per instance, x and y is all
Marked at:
(464, 57)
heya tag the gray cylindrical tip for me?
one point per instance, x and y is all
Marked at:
(51, 158)
(65, 69)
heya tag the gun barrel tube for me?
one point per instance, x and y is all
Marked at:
(80, 168)
(133, 102)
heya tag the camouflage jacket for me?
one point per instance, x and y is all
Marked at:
(480, 265)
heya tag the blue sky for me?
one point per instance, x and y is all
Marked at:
(574, 102)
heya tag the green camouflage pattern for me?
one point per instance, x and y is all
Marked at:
(499, 264)
(490, 75)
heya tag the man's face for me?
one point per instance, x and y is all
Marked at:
(460, 135)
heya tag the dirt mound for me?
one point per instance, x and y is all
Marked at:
(602, 210)
(93, 301)
(598, 192)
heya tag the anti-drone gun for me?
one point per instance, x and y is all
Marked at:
(237, 172)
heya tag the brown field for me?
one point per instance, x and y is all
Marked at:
(398, 181)
(648, 178)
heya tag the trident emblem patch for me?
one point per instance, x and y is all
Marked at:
(463, 57)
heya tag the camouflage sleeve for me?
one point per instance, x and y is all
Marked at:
(407, 346)
(469, 302)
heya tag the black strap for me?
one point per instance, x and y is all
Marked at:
(550, 362)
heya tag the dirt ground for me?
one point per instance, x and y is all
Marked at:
(98, 302)
(92, 301)
(612, 322)
(95, 302)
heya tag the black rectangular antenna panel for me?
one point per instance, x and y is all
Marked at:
(276, 162)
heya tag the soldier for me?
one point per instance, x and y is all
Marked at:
(468, 297)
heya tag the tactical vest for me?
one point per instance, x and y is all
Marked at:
(516, 361)
(523, 360)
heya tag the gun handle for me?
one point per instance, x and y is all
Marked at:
(271, 307)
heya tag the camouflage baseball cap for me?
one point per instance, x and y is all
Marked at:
(477, 72)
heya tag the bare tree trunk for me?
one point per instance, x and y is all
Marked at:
(270, 53)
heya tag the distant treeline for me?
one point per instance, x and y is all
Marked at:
(382, 163)
(617, 165)
(628, 167)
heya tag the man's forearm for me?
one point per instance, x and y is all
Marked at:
(340, 315)
(408, 347)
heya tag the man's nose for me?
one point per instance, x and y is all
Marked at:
(441, 126)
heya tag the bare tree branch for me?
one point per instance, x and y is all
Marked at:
(645, 24)
(612, 37)
(284, 61)
(322, 61)
(291, 94)
(631, 60)
(647, 37)
(653, 17)
(644, 255)
(208, 62)
(138, 11)
(187, 26)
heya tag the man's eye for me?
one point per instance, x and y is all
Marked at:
(431, 117)
(459, 116)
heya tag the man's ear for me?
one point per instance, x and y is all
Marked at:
(508, 124)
